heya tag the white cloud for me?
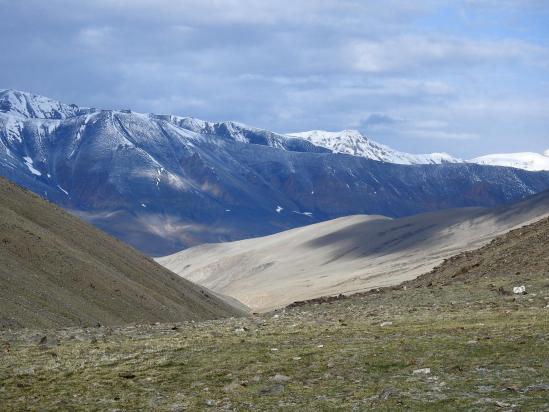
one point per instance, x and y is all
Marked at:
(97, 37)
(418, 51)
(440, 134)
(439, 69)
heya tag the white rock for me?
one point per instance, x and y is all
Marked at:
(519, 290)
(424, 371)
(280, 378)
(385, 324)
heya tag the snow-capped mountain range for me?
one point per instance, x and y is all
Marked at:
(162, 183)
(351, 142)
(354, 143)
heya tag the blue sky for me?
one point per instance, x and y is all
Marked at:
(467, 77)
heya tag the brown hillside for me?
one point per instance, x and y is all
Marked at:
(519, 252)
(56, 270)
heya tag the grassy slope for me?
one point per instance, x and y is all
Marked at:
(56, 270)
(487, 350)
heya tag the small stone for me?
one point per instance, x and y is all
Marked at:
(48, 341)
(423, 371)
(519, 290)
(272, 390)
(280, 378)
(538, 387)
(472, 342)
(383, 324)
(209, 402)
(386, 393)
(485, 389)
(231, 387)
(501, 404)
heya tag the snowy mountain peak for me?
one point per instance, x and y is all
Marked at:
(352, 142)
(524, 160)
(28, 105)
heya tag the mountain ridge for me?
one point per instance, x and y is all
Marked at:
(355, 143)
(146, 180)
(348, 141)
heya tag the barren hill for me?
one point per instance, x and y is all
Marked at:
(345, 255)
(516, 254)
(56, 270)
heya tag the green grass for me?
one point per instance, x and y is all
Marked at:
(486, 351)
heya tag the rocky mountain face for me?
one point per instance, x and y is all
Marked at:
(163, 183)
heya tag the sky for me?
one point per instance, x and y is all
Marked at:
(467, 77)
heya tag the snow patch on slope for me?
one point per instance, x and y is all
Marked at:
(30, 165)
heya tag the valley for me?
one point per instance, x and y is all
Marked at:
(345, 255)
(286, 206)
(443, 342)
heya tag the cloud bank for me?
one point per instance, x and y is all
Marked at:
(467, 77)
